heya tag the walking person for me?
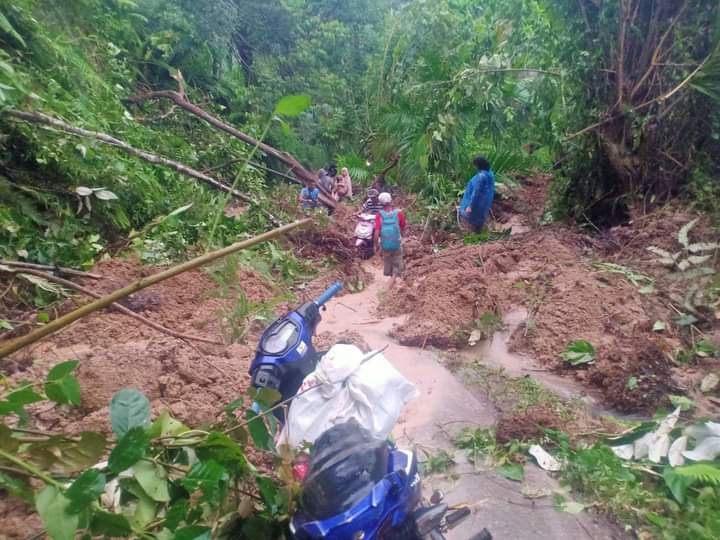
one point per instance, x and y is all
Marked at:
(389, 228)
(372, 205)
(478, 197)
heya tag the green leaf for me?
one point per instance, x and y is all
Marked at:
(24, 396)
(108, 524)
(685, 319)
(677, 483)
(8, 28)
(632, 383)
(512, 471)
(210, 477)
(258, 430)
(16, 487)
(7, 441)
(52, 506)
(176, 514)
(62, 369)
(292, 105)
(62, 456)
(65, 391)
(130, 449)
(166, 426)
(223, 449)
(85, 490)
(578, 353)
(145, 508)
(683, 402)
(153, 479)
(708, 473)
(194, 532)
(269, 492)
(266, 397)
(129, 408)
(705, 348)
(234, 405)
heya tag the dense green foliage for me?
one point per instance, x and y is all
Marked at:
(428, 84)
(620, 98)
(161, 480)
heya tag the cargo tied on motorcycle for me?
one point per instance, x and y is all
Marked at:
(343, 405)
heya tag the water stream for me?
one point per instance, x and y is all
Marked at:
(445, 405)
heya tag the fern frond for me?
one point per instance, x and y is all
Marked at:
(708, 473)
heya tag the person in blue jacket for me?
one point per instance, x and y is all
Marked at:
(478, 196)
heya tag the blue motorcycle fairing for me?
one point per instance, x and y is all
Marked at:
(294, 351)
(388, 505)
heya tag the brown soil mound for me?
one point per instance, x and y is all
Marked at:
(191, 379)
(528, 425)
(637, 385)
(549, 273)
(325, 340)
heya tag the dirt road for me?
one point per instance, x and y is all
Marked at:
(444, 407)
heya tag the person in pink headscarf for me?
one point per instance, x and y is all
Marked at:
(343, 185)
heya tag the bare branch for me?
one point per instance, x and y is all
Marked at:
(181, 101)
(45, 120)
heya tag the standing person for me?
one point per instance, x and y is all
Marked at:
(372, 204)
(309, 196)
(325, 181)
(343, 185)
(478, 197)
(379, 183)
(389, 228)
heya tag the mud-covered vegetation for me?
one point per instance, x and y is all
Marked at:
(136, 134)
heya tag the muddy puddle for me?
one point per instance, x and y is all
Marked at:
(445, 406)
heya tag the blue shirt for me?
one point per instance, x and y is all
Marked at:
(478, 195)
(310, 197)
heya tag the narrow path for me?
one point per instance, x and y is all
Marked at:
(443, 408)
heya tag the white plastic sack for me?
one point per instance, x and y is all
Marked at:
(372, 392)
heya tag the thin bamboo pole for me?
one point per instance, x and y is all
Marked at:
(105, 301)
(119, 307)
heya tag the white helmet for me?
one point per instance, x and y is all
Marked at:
(385, 198)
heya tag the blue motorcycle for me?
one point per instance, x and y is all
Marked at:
(285, 354)
(359, 488)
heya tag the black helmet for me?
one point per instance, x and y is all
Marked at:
(345, 464)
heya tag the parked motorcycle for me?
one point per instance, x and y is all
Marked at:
(360, 488)
(285, 354)
(364, 232)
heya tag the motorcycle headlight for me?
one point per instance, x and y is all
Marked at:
(281, 339)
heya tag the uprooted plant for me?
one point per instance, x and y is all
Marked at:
(160, 479)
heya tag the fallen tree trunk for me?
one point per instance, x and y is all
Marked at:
(181, 101)
(46, 120)
(122, 309)
(50, 268)
(105, 301)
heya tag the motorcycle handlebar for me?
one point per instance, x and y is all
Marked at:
(328, 294)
